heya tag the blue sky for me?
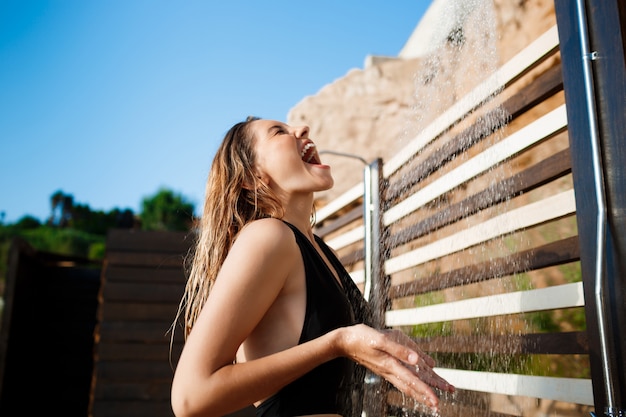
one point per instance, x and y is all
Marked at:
(111, 100)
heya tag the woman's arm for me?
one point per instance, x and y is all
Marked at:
(250, 282)
(208, 383)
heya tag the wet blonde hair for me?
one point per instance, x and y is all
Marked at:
(234, 197)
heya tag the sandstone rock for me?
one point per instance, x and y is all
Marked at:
(373, 112)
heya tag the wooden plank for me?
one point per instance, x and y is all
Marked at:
(138, 311)
(111, 408)
(550, 208)
(147, 332)
(146, 408)
(352, 257)
(143, 292)
(358, 276)
(150, 274)
(134, 371)
(539, 90)
(125, 351)
(345, 219)
(145, 259)
(546, 85)
(550, 298)
(149, 241)
(344, 200)
(534, 177)
(347, 238)
(139, 390)
(571, 390)
(568, 343)
(551, 254)
(521, 63)
(530, 135)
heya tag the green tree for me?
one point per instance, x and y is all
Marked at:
(27, 222)
(67, 213)
(62, 206)
(166, 210)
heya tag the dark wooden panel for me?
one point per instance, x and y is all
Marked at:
(143, 283)
(143, 292)
(551, 254)
(151, 390)
(343, 220)
(109, 351)
(138, 311)
(148, 408)
(146, 259)
(133, 371)
(154, 274)
(112, 408)
(353, 257)
(149, 241)
(127, 331)
(606, 20)
(570, 343)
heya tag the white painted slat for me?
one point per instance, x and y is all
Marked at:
(534, 132)
(550, 208)
(550, 298)
(358, 276)
(570, 390)
(347, 238)
(514, 68)
(345, 199)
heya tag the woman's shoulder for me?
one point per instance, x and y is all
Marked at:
(267, 225)
(269, 232)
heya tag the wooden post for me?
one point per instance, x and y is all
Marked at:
(604, 64)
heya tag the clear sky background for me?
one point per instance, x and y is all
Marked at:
(110, 100)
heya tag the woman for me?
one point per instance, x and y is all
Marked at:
(271, 317)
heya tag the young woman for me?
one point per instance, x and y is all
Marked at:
(271, 316)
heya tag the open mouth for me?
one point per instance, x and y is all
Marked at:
(309, 154)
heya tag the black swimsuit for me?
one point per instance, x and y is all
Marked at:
(329, 388)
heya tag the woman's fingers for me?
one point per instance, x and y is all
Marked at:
(397, 358)
(430, 377)
(409, 383)
(404, 340)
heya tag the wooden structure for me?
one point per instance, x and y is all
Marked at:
(142, 284)
(46, 338)
(480, 238)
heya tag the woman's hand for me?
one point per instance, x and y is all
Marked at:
(394, 356)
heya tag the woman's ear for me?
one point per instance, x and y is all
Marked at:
(255, 182)
(262, 177)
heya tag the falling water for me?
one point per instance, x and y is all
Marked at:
(461, 62)
(462, 55)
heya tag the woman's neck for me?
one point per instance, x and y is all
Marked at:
(298, 213)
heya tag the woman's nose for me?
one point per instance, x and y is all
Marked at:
(302, 132)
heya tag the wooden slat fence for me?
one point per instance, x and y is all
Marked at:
(142, 283)
(481, 255)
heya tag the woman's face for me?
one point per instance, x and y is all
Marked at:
(287, 160)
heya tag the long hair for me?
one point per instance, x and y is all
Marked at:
(234, 196)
